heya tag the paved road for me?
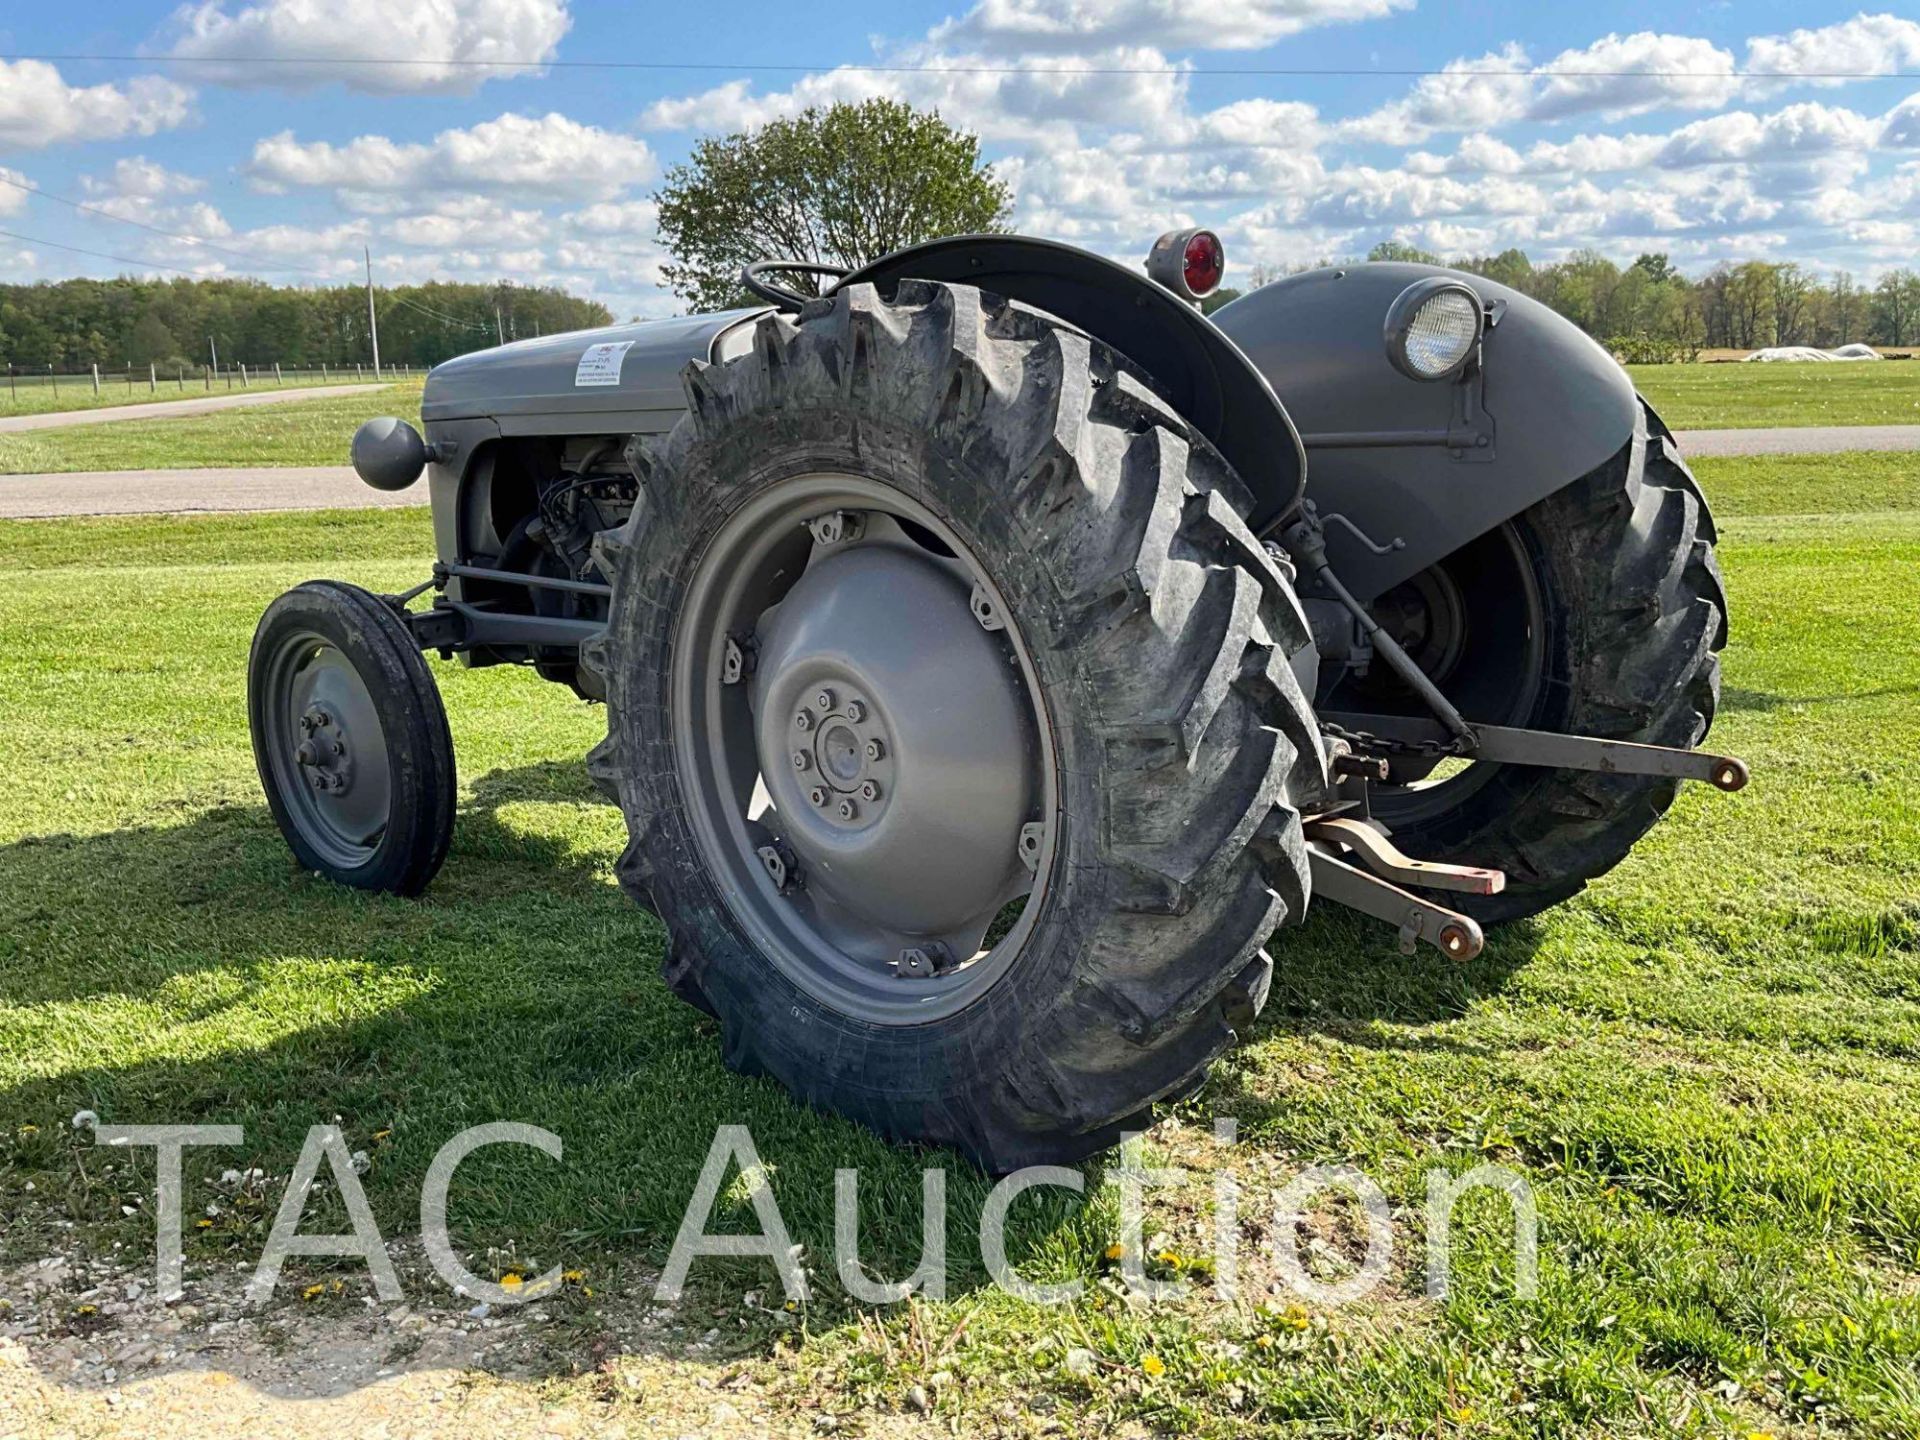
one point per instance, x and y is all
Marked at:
(163, 409)
(1810, 440)
(183, 492)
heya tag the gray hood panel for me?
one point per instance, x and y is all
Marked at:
(534, 387)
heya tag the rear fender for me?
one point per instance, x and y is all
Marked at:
(1546, 406)
(1195, 368)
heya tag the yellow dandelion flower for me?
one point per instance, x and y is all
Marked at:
(1153, 1365)
(573, 1277)
(203, 1224)
(339, 1287)
(313, 1292)
(1462, 1414)
(1265, 1342)
(1115, 1251)
(87, 1310)
(587, 1290)
(1759, 1435)
(1295, 1318)
(381, 1134)
(511, 1281)
(29, 1129)
(1168, 1257)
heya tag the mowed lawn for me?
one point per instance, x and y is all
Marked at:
(1706, 1067)
(1739, 396)
(36, 395)
(292, 432)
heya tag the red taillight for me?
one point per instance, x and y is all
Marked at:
(1205, 261)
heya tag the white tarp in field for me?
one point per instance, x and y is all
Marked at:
(1855, 351)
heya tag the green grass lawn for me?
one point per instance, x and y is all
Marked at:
(296, 432)
(38, 397)
(1738, 397)
(1706, 1067)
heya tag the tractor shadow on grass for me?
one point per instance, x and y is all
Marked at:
(1765, 702)
(189, 974)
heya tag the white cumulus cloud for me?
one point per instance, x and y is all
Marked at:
(448, 46)
(39, 108)
(1022, 27)
(544, 157)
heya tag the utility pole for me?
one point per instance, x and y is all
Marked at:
(373, 320)
(499, 331)
(213, 352)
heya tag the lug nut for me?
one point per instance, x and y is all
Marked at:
(804, 720)
(306, 754)
(869, 791)
(824, 700)
(848, 810)
(801, 760)
(818, 795)
(875, 750)
(856, 712)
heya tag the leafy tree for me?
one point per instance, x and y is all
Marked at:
(1226, 294)
(1400, 250)
(1896, 307)
(74, 323)
(150, 341)
(1658, 268)
(839, 186)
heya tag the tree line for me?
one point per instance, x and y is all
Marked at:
(1650, 311)
(72, 324)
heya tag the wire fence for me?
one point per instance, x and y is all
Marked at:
(152, 379)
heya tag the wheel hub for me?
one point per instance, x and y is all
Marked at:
(323, 753)
(844, 756)
(891, 733)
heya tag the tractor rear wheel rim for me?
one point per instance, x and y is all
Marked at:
(862, 794)
(1481, 633)
(327, 749)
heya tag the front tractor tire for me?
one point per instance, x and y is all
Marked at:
(351, 739)
(951, 713)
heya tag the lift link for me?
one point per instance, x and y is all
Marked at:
(1454, 935)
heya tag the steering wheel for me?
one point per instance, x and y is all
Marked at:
(754, 279)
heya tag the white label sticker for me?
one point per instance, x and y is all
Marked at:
(600, 364)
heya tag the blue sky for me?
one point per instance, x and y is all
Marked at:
(1638, 138)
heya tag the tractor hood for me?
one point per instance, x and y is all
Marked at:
(618, 378)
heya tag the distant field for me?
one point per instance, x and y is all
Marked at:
(299, 432)
(1739, 397)
(316, 432)
(39, 396)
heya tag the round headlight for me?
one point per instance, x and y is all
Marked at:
(1433, 327)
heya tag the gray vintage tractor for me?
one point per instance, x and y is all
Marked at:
(987, 677)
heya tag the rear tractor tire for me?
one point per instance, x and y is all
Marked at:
(951, 711)
(1630, 616)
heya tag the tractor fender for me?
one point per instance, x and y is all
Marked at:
(1545, 406)
(1196, 369)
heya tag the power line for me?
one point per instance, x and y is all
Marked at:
(199, 240)
(396, 298)
(1292, 71)
(102, 255)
